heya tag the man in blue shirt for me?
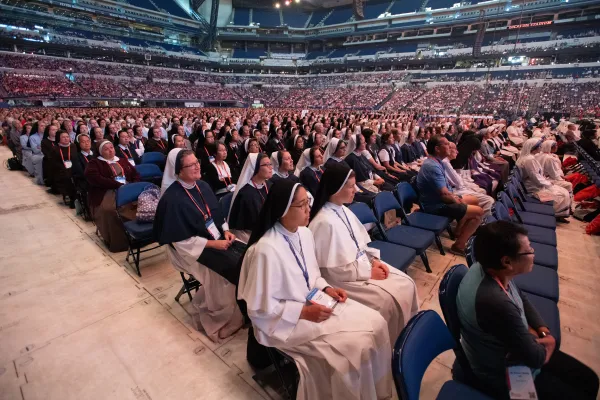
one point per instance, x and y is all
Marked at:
(437, 197)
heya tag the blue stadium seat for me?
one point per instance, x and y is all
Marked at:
(149, 173)
(265, 17)
(154, 157)
(534, 233)
(538, 208)
(339, 16)
(405, 6)
(549, 312)
(423, 339)
(317, 16)
(373, 10)
(241, 16)
(524, 217)
(295, 18)
(399, 257)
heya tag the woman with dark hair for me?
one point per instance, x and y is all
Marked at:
(365, 174)
(387, 157)
(372, 157)
(205, 148)
(465, 160)
(234, 154)
(105, 175)
(155, 143)
(275, 142)
(587, 143)
(310, 169)
(189, 222)
(328, 343)
(218, 174)
(346, 260)
(250, 194)
(297, 148)
(283, 167)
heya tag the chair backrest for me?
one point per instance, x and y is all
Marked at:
(514, 194)
(225, 204)
(363, 213)
(424, 338)
(153, 157)
(406, 196)
(469, 254)
(147, 171)
(384, 202)
(129, 193)
(501, 212)
(505, 199)
(447, 297)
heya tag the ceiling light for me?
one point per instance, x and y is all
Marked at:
(287, 2)
(277, 5)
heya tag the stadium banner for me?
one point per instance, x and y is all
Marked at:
(193, 104)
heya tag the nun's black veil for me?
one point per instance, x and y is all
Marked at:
(333, 179)
(273, 208)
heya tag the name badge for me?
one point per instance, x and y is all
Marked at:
(211, 159)
(520, 383)
(68, 164)
(363, 259)
(231, 188)
(131, 162)
(121, 179)
(212, 228)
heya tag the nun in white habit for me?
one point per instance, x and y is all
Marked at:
(537, 184)
(551, 165)
(345, 259)
(169, 175)
(341, 353)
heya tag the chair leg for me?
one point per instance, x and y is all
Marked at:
(278, 371)
(438, 242)
(450, 233)
(137, 262)
(425, 260)
(181, 292)
(188, 289)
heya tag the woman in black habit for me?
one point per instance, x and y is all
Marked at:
(189, 221)
(250, 194)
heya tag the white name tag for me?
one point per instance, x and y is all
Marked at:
(364, 265)
(131, 162)
(520, 383)
(231, 188)
(212, 229)
(68, 164)
(121, 179)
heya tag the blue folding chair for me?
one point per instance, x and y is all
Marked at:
(517, 178)
(399, 257)
(155, 157)
(424, 338)
(434, 223)
(524, 217)
(407, 236)
(225, 204)
(149, 173)
(541, 281)
(534, 233)
(139, 234)
(543, 209)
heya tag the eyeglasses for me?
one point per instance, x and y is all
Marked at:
(269, 165)
(526, 253)
(195, 165)
(305, 205)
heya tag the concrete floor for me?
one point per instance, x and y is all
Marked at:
(77, 323)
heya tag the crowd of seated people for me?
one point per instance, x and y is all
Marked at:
(39, 86)
(285, 210)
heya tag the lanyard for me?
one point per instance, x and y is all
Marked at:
(317, 176)
(63, 157)
(160, 143)
(196, 204)
(505, 291)
(259, 192)
(348, 226)
(302, 266)
(226, 176)
(137, 143)
(86, 159)
(115, 171)
(128, 151)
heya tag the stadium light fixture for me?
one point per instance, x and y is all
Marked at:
(287, 2)
(277, 5)
(297, 1)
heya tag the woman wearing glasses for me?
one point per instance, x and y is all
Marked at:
(342, 351)
(189, 221)
(250, 193)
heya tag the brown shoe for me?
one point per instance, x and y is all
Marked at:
(457, 251)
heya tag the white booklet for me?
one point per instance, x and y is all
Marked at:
(520, 383)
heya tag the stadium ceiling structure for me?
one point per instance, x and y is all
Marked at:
(308, 5)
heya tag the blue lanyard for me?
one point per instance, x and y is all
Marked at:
(348, 226)
(303, 268)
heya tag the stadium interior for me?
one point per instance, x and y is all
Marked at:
(80, 321)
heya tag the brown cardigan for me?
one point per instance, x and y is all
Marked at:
(101, 179)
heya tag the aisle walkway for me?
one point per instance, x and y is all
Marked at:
(77, 323)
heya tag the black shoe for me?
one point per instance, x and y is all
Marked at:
(562, 220)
